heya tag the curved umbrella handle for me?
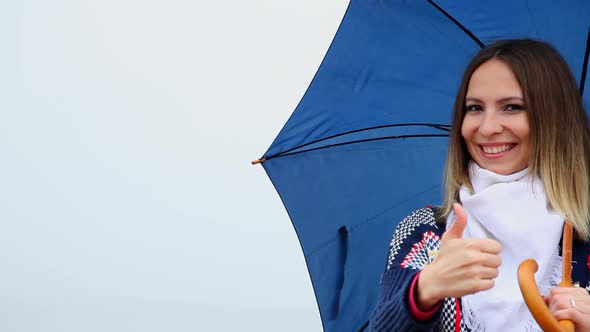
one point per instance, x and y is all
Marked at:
(534, 300)
(531, 294)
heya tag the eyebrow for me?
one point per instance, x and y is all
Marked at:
(499, 101)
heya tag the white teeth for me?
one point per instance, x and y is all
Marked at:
(497, 149)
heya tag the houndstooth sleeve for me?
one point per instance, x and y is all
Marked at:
(415, 243)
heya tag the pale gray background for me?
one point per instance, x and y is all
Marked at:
(127, 198)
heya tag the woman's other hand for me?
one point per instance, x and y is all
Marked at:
(571, 303)
(462, 266)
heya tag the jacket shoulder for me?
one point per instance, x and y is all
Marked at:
(418, 229)
(420, 217)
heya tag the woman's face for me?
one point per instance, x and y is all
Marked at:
(495, 126)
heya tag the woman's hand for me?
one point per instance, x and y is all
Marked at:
(571, 303)
(462, 266)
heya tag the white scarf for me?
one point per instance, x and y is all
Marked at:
(512, 209)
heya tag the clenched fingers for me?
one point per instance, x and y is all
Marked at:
(561, 298)
(571, 303)
(491, 260)
(571, 291)
(484, 245)
(581, 320)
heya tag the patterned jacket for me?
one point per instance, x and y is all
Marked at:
(415, 244)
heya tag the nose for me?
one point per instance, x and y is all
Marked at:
(490, 124)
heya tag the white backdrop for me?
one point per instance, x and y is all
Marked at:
(127, 198)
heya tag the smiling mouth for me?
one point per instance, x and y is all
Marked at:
(497, 149)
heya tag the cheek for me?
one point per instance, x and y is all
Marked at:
(466, 130)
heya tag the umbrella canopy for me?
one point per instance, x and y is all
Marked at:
(367, 143)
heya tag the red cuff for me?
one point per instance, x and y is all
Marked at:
(414, 310)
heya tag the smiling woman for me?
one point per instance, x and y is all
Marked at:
(495, 127)
(535, 72)
(514, 170)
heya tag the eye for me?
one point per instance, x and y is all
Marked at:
(513, 108)
(473, 108)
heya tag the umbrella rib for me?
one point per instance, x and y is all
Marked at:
(469, 33)
(585, 66)
(443, 127)
(446, 128)
(364, 327)
(357, 141)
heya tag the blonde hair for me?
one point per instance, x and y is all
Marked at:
(560, 135)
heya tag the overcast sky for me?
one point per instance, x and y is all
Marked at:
(127, 198)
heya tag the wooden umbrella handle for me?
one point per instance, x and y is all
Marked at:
(531, 294)
(566, 276)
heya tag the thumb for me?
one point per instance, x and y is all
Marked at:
(458, 227)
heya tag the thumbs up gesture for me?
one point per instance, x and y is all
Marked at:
(462, 266)
(458, 227)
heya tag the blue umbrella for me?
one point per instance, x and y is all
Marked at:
(366, 144)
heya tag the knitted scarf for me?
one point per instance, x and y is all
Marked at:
(513, 210)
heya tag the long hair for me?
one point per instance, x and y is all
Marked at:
(560, 135)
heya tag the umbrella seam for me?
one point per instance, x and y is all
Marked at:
(439, 126)
(461, 26)
(357, 141)
(585, 65)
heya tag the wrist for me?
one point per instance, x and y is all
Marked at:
(424, 294)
